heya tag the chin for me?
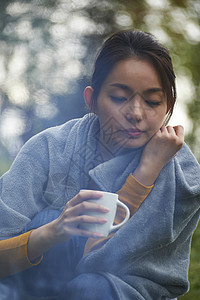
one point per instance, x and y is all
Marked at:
(124, 146)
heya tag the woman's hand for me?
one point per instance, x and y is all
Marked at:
(67, 224)
(161, 148)
(75, 213)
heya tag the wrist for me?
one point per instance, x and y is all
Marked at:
(40, 240)
(50, 234)
(146, 173)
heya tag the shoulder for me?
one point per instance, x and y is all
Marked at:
(61, 132)
(56, 132)
(186, 158)
(57, 137)
(187, 170)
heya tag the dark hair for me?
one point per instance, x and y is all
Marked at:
(128, 44)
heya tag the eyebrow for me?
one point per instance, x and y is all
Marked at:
(128, 89)
(122, 86)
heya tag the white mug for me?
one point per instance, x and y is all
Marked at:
(111, 201)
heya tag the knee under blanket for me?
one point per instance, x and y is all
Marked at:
(146, 259)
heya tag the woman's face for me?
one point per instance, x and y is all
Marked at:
(131, 105)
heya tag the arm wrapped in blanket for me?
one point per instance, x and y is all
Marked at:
(156, 274)
(148, 258)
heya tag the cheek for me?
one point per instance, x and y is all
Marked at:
(155, 122)
(161, 114)
(107, 110)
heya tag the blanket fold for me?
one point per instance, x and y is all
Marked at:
(148, 257)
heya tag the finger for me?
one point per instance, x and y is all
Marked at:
(89, 219)
(90, 234)
(85, 233)
(88, 206)
(163, 129)
(179, 131)
(170, 130)
(72, 226)
(85, 195)
(73, 222)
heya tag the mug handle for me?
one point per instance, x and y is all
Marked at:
(114, 227)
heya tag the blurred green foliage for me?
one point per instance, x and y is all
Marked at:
(47, 49)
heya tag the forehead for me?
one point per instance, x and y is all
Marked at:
(135, 73)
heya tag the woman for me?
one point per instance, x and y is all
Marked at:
(123, 146)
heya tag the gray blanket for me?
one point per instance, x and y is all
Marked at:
(146, 259)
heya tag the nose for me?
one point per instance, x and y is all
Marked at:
(134, 109)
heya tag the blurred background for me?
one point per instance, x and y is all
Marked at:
(47, 50)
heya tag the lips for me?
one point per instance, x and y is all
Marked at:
(133, 132)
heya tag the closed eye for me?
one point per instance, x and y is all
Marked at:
(152, 103)
(118, 99)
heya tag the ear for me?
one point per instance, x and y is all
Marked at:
(88, 95)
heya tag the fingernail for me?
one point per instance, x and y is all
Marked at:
(99, 235)
(105, 209)
(103, 220)
(99, 193)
